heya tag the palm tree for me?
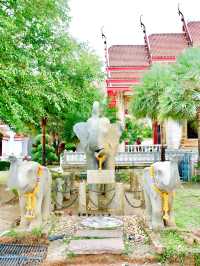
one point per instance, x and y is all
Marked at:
(181, 99)
(146, 96)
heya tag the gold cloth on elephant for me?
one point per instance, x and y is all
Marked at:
(31, 196)
(164, 195)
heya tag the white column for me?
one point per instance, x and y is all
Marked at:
(25, 146)
(173, 133)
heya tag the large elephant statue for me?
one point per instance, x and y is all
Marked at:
(160, 181)
(99, 139)
(33, 183)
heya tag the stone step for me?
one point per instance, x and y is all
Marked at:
(99, 233)
(96, 246)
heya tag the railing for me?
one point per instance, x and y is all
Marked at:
(128, 157)
(73, 158)
(143, 148)
(186, 160)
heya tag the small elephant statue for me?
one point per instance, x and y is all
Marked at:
(33, 183)
(160, 181)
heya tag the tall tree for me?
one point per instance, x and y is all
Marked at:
(181, 100)
(146, 96)
(43, 70)
(29, 30)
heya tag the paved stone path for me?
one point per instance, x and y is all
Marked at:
(96, 246)
(100, 240)
(99, 233)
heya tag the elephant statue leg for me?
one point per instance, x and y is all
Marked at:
(22, 203)
(46, 206)
(157, 212)
(148, 209)
(93, 197)
(37, 221)
(171, 221)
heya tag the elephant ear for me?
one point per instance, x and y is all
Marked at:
(80, 129)
(114, 136)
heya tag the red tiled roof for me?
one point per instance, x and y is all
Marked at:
(194, 29)
(128, 55)
(167, 44)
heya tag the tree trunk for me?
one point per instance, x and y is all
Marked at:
(162, 143)
(44, 122)
(198, 130)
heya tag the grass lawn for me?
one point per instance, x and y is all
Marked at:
(187, 216)
(187, 206)
(3, 177)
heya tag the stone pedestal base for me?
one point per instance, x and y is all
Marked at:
(82, 197)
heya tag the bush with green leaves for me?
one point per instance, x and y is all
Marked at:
(195, 179)
(135, 129)
(4, 165)
(37, 150)
(70, 146)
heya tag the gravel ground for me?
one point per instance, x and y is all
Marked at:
(68, 225)
(134, 236)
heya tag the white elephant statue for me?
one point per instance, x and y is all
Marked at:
(160, 182)
(33, 183)
(99, 139)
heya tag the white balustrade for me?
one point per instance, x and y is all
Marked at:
(79, 158)
(143, 148)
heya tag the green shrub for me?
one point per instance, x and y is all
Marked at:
(38, 139)
(4, 165)
(37, 150)
(135, 129)
(195, 178)
(122, 176)
(70, 146)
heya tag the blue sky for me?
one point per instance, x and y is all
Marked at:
(121, 19)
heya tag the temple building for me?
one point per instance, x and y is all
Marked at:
(126, 65)
(12, 143)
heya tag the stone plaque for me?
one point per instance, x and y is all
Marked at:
(102, 222)
(100, 176)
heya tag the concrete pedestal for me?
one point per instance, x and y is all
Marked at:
(82, 197)
(119, 198)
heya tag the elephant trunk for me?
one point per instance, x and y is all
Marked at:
(101, 157)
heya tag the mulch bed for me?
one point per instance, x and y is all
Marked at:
(27, 239)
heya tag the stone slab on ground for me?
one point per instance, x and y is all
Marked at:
(56, 251)
(102, 222)
(97, 246)
(99, 233)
